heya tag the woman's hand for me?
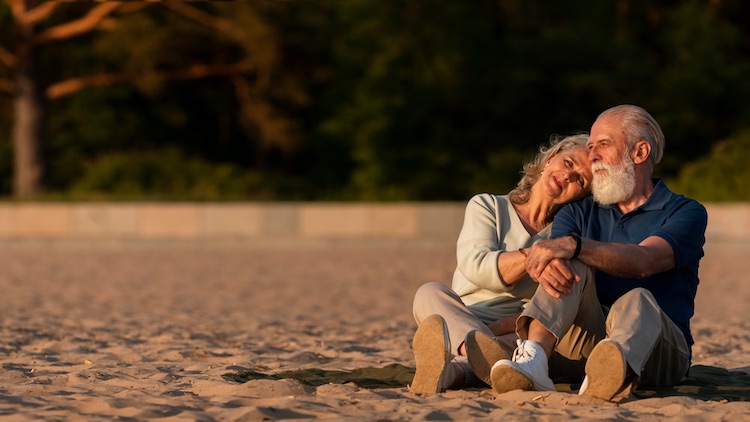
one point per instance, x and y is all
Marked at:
(557, 278)
(505, 325)
(539, 256)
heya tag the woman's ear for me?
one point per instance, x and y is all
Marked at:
(641, 151)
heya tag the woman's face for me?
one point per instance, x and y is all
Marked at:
(567, 176)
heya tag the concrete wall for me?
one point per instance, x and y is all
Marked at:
(280, 221)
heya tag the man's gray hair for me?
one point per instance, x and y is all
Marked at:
(639, 124)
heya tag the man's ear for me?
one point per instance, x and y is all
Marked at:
(641, 151)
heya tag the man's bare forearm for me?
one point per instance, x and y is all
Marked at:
(653, 255)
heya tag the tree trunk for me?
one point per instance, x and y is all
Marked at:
(28, 115)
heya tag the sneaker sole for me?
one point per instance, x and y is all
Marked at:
(431, 346)
(482, 352)
(505, 378)
(605, 369)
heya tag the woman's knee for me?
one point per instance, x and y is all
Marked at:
(431, 298)
(429, 291)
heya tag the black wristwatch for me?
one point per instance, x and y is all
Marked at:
(577, 238)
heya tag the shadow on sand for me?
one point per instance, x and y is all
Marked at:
(702, 382)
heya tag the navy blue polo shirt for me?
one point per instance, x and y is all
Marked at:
(679, 220)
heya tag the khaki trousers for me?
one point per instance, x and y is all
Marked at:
(435, 298)
(654, 347)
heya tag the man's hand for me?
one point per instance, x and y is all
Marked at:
(542, 253)
(557, 278)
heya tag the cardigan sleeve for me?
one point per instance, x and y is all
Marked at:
(479, 243)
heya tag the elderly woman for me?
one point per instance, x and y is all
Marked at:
(490, 285)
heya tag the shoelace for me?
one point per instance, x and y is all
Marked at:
(523, 354)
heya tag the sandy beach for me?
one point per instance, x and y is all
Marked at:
(136, 331)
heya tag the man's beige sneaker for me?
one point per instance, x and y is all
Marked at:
(432, 354)
(482, 352)
(606, 369)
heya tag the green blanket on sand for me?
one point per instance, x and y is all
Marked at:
(702, 382)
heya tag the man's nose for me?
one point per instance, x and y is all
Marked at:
(594, 154)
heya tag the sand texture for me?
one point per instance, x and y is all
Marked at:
(149, 331)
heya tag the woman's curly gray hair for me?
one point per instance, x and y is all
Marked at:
(532, 170)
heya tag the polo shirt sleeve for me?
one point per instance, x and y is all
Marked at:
(565, 222)
(685, 230)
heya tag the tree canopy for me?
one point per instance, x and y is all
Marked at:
(361, 99)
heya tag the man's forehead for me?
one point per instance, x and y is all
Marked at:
(606, 128)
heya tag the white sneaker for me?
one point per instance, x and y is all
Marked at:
(529, 370)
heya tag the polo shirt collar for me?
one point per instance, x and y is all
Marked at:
(658, 199)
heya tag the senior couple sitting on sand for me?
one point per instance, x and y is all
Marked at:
(615, 252)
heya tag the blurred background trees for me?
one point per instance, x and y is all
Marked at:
(357, 99)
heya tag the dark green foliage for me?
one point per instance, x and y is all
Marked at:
(167, 175)
(724, 175)
(704, 85)
(381, 99)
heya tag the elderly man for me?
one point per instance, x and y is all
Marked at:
(619, 276)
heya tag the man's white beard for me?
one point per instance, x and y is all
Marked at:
(615, 186)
